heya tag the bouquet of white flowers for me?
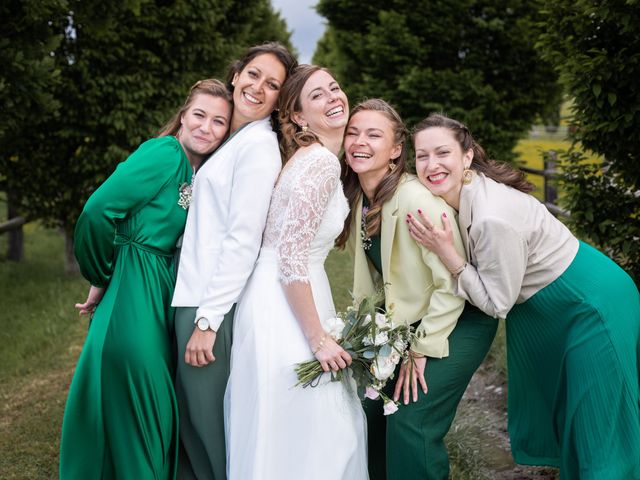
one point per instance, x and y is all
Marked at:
(375, 346)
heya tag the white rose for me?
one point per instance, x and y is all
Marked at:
(399, 345)
(395, 357)
(334, 326)
(381, 320)
(382, 369)
(367, 320)
(381, 339)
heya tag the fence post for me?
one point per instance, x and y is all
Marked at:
(550, 190)
(15, 250)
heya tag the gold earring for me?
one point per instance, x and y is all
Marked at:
(467, 176)
(305, 129)
(392, 167)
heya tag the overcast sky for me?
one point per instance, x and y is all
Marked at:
(307, 26)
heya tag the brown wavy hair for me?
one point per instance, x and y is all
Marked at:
(281, 52)
(389, 184)
(289, 104)
(210, 86)
(501, 172)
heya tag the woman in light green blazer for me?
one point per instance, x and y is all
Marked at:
(452, 337)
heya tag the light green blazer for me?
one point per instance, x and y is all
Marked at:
(417, 285)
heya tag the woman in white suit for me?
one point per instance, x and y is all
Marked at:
(222, 237)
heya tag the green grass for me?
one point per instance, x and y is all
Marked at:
(41, 337)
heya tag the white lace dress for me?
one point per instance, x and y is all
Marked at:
(274, 430)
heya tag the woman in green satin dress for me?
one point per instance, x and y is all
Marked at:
(121, 416)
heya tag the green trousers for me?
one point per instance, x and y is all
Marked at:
(409, 444)
(200, 393)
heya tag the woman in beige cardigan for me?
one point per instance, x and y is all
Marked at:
(572, 314)
(452, 338)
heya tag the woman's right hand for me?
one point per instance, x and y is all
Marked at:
(331, 355)
(92, 301)
(438, 240)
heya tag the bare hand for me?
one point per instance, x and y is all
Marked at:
(438, 240)
(199, 350)
(411, 373)
(92, 301)
(332, 356)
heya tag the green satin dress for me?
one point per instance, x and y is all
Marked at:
(121, 419)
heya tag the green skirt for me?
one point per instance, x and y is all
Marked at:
(121, 417)
(573, 358)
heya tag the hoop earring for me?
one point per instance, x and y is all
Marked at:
(467, 176)
(392, 167)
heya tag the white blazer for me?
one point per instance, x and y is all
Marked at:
(226, 218)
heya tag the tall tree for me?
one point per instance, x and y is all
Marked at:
(595, 48)
(124, 68)
(474, 60)
(27, 77)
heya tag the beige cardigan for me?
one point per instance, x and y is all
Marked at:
(515, 247)
(417, 285)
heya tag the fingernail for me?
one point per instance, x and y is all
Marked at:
(420, 211)
(444, 215)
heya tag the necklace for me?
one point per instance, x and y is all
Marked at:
(366, 240)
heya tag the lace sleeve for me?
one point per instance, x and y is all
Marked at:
(311, 189)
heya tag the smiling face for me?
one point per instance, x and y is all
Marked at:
(440, 162)
(324, 106)
(256, 89)
(369, 144)
(203, 126)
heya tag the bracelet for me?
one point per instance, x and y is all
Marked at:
(459, 270)
(320, 344)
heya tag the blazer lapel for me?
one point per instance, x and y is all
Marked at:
(387, 231)
(464, 214)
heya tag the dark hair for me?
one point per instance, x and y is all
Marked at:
(389, 184)
(501, 172)
(293, 137)
(281, 52)
(210, 86)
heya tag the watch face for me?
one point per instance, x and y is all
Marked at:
(203, 324)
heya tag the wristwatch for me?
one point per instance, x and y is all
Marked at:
(203, 324)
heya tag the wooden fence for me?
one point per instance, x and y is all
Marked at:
(549, 176)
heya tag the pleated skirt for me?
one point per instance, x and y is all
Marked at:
(573, 359)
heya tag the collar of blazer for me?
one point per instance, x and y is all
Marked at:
(364, 272)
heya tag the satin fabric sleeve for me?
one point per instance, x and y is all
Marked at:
(133, 184)
(254, 175)
(500, 254)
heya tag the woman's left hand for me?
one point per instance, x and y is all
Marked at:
(90, 304)
(411, 373)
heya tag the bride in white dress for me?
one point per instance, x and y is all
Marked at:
(274, 429)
